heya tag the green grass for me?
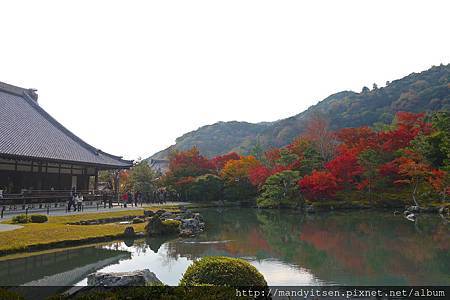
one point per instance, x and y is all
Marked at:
(56, 232)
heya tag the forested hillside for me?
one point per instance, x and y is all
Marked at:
(418, 92)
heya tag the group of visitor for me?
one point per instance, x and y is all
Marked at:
(76, 200)
(129, 198)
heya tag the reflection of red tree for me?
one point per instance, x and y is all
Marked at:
(257, 240)
(404, 254)
(249, 243)
(348, 250)
(441, 239)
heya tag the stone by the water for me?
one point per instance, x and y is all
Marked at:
(190, 227)
(154, 226)
(166, 215)
(135, 278)
(129, 232)
(148, 213)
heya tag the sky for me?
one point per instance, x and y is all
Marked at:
(129, 77)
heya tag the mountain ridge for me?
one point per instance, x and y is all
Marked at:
(425, 91)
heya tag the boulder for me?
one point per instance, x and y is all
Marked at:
(166, 215)
(137, 221)
(154, 226)
(443, 210)
(190, 227)
(186, 233)
(129, 232)
(407, 213)
(187, 214)
(310, 209)
(148, 213)
(197, 216)
(135, 278)
(411, 217)
(413, 209)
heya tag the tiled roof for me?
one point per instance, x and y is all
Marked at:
(27, 131)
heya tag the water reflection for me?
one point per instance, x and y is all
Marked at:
(63, 268)
(357, 248)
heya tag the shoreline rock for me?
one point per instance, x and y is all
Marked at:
(185, 223)
(134, 278)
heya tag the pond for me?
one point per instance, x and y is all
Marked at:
(346, 248)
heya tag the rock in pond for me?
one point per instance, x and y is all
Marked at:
(166, 215)
(135, 278)
(413, 209)
(190, 227)
(310, 209)
(160, 212)
(443, 210)
(411, 217)
(154, 226)
(129, 232)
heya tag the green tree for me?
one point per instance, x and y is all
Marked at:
(239, 190)
(286, 157)
(257, 151)
(369, 160)
(311, 161)
(207, 188)
(142, 177)
(281, 189)
(439, 141)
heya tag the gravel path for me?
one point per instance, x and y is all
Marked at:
(62, 212)
(7, 227)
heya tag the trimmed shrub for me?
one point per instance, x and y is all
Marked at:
(137, 221)
(156, 226)
(222, 271)
(38, 218)
(171, 226)
(21, 219)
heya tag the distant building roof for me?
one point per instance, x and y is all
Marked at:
(159, 165)
(29, 132)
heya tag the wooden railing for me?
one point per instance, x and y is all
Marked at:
(50, 200)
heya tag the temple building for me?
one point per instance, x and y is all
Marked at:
(38, 153)
(160, 166)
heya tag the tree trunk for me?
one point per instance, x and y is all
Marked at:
(414, 193)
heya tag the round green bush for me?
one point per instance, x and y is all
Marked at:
(21, 219)
(38, 218)
(222, 271)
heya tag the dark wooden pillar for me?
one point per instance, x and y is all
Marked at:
(59, 177)
(96, 180)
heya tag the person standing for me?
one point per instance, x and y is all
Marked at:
(110, 201)
(75, 202)
(71, 201)
(80, 202)
(137, 198)
(104, 199)
(125, 199)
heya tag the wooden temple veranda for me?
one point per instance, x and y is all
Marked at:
(40, 160)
